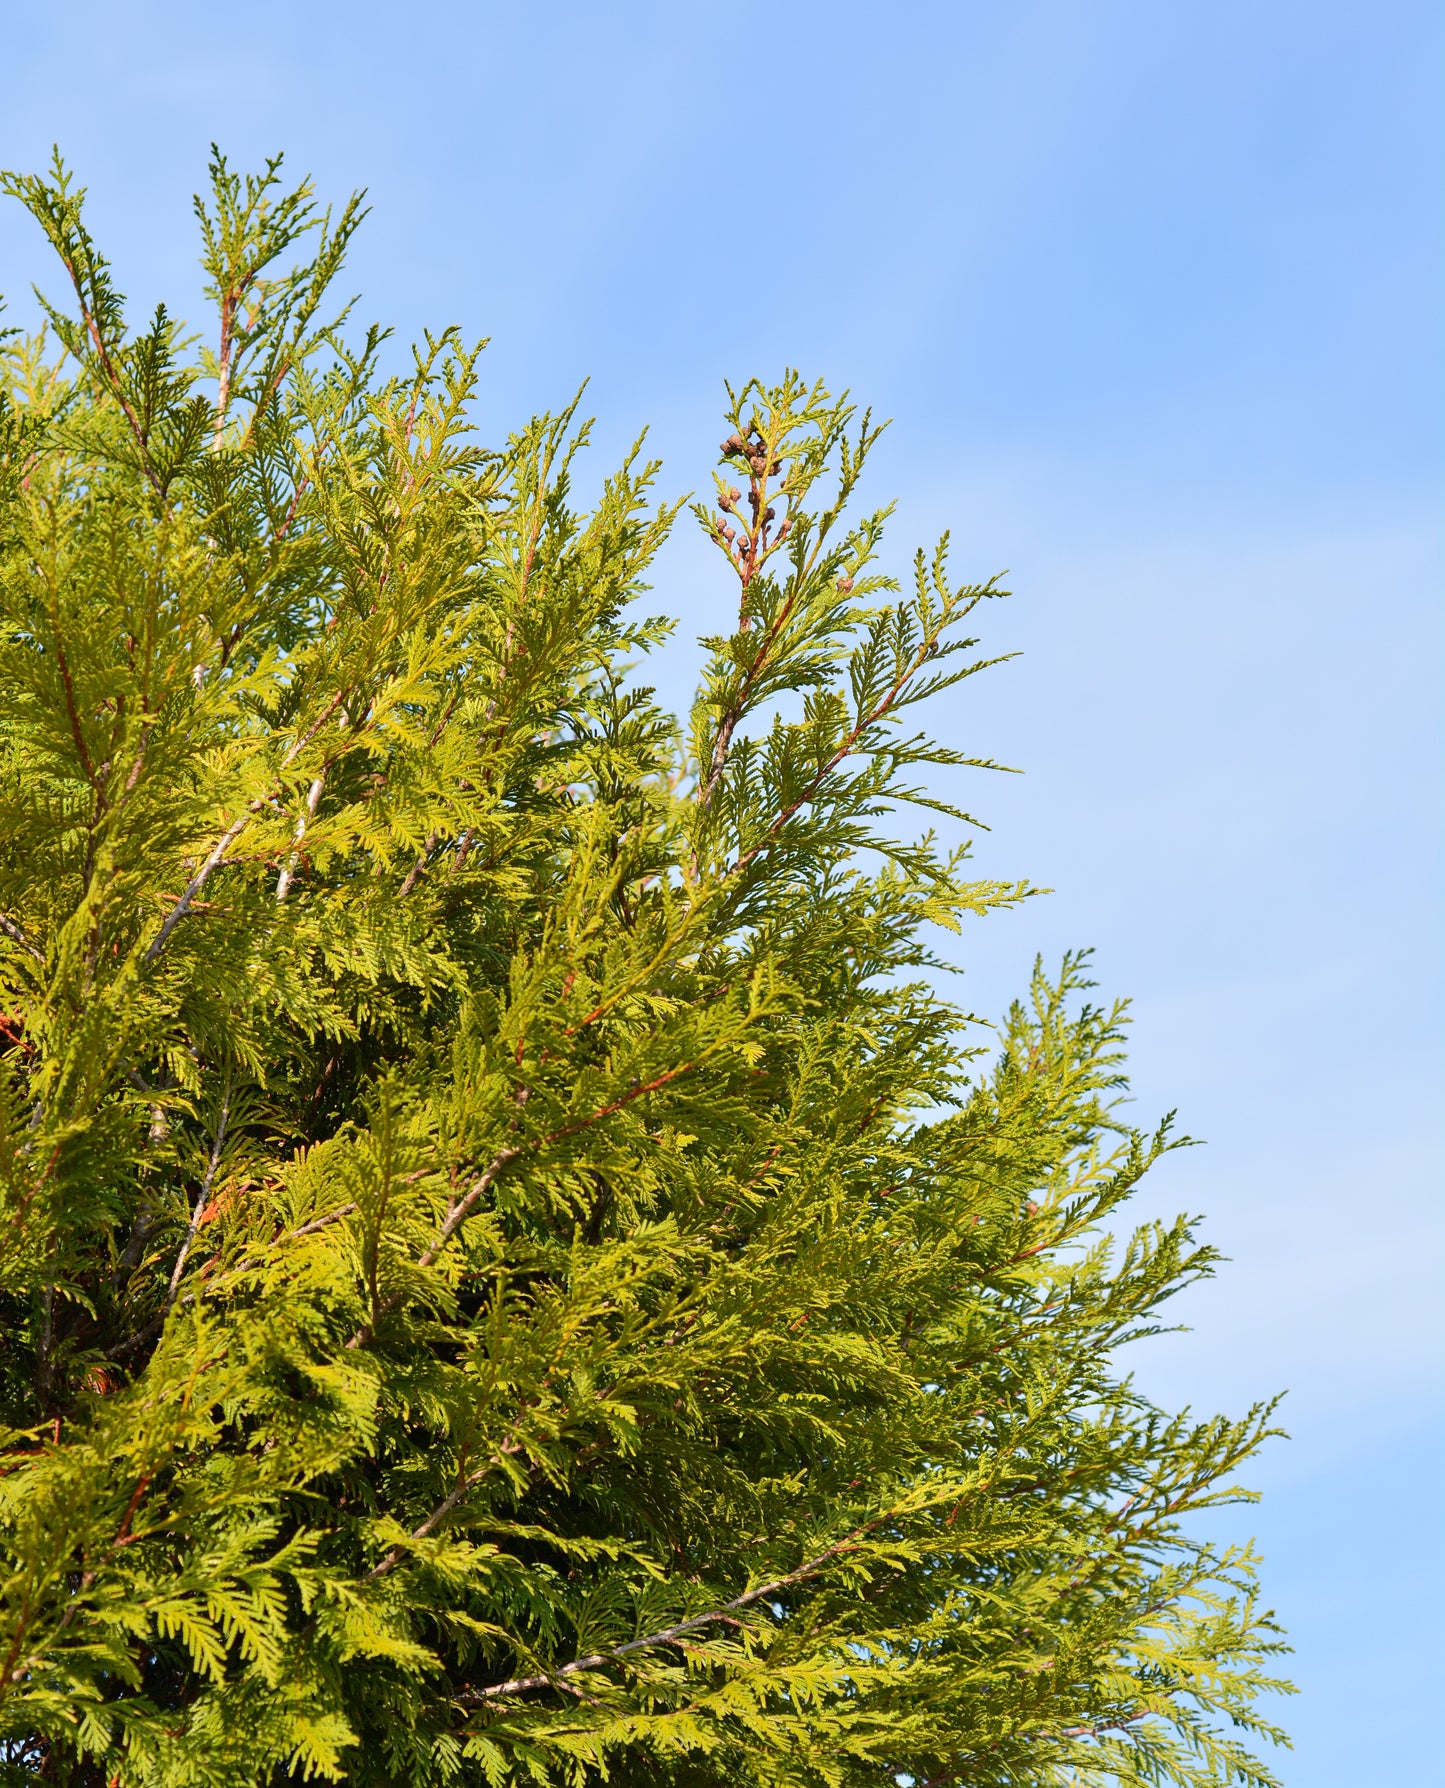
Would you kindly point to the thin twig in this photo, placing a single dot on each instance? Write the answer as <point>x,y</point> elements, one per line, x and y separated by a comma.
<point>87,1578</point>
<point>463,1207</point>
<point>107,366</point>
<point>667,1635</point>
<point>313,798</point>
<point>198,881</point>
<point>414,875</point>
<point>203,1198</point>
<point>154,1326</point>
<point>442,1510</point>
<point>850,739</point>
<point>230,835</point>
<point>17,934</point>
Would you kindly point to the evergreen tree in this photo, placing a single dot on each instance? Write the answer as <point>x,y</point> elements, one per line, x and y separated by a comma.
<point>511,1270</point>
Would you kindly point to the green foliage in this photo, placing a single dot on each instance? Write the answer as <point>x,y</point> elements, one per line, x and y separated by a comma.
<point>511,1271</point>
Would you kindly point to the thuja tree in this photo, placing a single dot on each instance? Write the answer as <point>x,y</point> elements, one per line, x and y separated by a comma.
<point>511,1269</point>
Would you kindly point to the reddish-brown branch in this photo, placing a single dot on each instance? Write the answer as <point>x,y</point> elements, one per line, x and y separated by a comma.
<point>850,739</point>
<point>122,1538</point>
<point>102,354</point>
<point>74,717</point>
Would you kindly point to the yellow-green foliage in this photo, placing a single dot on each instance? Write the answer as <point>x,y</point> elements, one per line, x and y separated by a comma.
<point>511,1271</point>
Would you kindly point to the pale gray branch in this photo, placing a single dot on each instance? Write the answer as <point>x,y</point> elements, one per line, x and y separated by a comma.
<point>17,933</point>
<point>203,1198</point>
<point>442,1510</point>
<point>308,813</point>
<point>197,882</point>
<point>666,1635</point>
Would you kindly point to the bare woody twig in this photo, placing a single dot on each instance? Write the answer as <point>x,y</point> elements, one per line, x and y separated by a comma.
<point>459,1212</point>
<point>308,813</point>
<point>443,1509</point>
<point>669,1635</point>
<point>229,837</point>
<point>154,1326</point>
<point>203,1197</point>
<point>198,881</point>
<point>16,933</point>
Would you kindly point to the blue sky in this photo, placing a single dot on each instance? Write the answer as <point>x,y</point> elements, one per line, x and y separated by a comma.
<point>1150,291</point>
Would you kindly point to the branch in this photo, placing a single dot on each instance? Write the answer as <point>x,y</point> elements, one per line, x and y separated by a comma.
<point>460,1210</point>
<point>76,731</point>
<point>463,1207</point>
<point>313,798</point>
<point>202,1199</point>
<point>17,933</point>
<point>198,881</point>
<point>107,366</point>
<point>414,875</point>
<point>728,725</point>
<point>442,1510</point>
<point>316,1223</point>
<point>1121,1724</point>
<point>229,837</point>
<point>667,1635</point>
<point>88,1577</point>
<point>153,1327</point>
<point>850,739</point>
